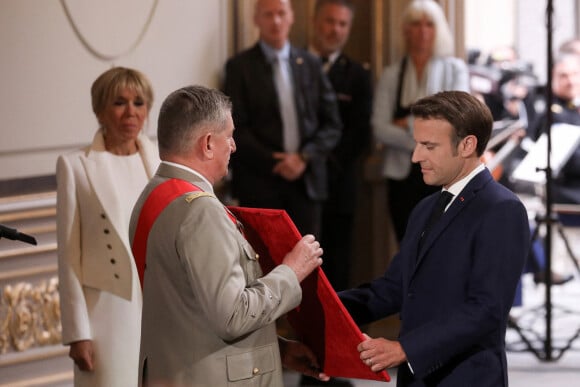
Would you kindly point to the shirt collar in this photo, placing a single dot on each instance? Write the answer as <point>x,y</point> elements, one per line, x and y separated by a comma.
<point>273,54</point>
<point>331,58</point>
<point>458,186</point>
<point>196,173</point>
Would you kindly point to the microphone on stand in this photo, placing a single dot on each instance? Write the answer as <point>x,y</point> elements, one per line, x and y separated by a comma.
<point>13,234</point>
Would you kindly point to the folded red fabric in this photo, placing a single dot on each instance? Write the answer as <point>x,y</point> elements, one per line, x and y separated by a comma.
<point>321,320</point>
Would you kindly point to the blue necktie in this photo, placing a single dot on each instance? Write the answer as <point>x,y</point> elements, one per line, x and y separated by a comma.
<point>284,87</point>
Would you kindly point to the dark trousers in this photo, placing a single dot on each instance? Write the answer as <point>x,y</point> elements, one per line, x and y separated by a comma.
<point>337,244</point>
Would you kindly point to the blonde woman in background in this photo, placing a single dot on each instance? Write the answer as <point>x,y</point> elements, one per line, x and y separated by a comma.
<point>100,293</point>
<point>427,67</point>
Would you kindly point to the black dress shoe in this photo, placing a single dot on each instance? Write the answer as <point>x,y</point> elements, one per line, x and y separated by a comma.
<point>310,381</point>
<point>557,279</point>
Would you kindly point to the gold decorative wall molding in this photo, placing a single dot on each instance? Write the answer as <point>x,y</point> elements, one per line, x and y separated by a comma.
<point>29,316</point>
<point>103,53</point>
<point>245,32</point>
<point>58,379</point>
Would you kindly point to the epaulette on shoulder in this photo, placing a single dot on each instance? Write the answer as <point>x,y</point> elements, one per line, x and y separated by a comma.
<point>194,195</point>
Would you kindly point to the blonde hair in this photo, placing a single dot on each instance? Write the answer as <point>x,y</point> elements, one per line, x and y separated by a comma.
<point>429,8</point>
<point>110,83</point>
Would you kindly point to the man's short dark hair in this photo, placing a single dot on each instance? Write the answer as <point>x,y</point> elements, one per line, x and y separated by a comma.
<point>466,114</point>
<point>345,3</point>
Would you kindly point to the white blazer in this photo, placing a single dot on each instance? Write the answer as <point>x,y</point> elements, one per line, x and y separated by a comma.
<point>92,251</point>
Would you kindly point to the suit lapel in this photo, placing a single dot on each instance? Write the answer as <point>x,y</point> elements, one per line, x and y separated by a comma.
<point>340,76</point>
<point>265,81</point>
<point>98,166</point>
<point>463,199</point>
<point>297,65</point>
<point>337,73</point>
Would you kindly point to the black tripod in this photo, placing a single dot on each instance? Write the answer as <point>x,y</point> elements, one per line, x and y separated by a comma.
<point>528,336</point>
<point>554,222</point>
<point>530,339</point>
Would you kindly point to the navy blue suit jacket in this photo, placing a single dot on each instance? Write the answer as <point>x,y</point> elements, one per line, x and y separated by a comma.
<point>352,84</point>
<point>455,295</point>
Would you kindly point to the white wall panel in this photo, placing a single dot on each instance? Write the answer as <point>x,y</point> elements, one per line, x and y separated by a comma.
<point>46,73</point>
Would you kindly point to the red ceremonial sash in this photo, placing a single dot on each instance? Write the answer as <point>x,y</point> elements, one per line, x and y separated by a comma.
<point>155,203</point>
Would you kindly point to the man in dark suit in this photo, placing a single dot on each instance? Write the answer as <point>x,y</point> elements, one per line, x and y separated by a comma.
<point>453,280</point>
<point>565,109</point>
<point>286,119</point>
<point>352,84</point>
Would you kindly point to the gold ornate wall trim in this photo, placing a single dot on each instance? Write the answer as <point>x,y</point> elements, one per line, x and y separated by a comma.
<point>245,32</point>
<point>28,214</point>
<point>27,250</point>
<point>44,270</point>
<point>378,41</point>
<point>29,316</point>
<point>103,53</point>
<point>61,378</point>
<point>33,355</point>
<point>455,13</point>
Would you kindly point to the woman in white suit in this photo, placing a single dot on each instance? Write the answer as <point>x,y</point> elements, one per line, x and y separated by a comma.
<point>100,294</point>
<point>427,67</point>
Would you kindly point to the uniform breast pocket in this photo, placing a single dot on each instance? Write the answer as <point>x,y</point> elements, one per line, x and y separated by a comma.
<point>250,262</point>
<point>251,368</point>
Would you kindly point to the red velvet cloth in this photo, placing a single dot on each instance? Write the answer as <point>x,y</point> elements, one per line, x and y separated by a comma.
<point>321,320</point>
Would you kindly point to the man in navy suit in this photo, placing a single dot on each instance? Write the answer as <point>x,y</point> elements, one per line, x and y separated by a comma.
<point>352,84</point>
<point>286,120</point>
<point>453,283</point>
